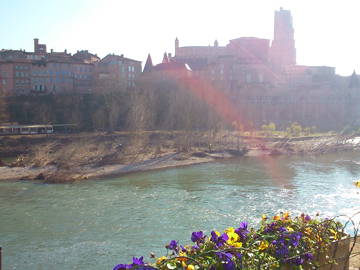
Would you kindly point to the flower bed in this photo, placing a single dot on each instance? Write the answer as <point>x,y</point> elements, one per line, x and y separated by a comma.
<point>281,242</point>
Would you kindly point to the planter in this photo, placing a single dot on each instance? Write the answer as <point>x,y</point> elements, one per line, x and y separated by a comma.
<point>338,255</point>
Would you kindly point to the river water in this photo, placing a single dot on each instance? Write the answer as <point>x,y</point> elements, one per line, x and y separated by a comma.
<point>97,224</point>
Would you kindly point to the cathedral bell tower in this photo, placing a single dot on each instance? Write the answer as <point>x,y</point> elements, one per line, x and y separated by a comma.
<point>283,52</point>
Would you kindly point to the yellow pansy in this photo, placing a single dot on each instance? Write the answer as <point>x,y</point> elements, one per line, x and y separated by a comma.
<point>286,215</point>
<point>290,229</point>
<point>233,237</point>
<point>264,217</point>
<point>276,218</point>
<point>263,245</point>
<point>308,231</point>
<point>318,238</point>
<point>161,259</point>
<point>190,267</point>
<point>181,254</point>
<point>230,230</point>
<point>236,244</point>
<point>335,233</point>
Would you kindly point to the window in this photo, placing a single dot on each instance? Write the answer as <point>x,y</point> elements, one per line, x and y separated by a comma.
<point>261,78</point>
<point>248,78</point>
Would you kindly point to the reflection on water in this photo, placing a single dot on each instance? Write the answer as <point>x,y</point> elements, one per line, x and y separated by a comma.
<point>96,224</point>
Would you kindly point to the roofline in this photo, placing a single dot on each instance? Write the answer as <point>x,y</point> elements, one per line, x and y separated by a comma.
<point>119,56</point>
<point>250,38</point>
<point>202,47</point>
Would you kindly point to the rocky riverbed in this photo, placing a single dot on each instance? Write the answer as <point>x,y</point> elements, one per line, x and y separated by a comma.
<point>76,157</point>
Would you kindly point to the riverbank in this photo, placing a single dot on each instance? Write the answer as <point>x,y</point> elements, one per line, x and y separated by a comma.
<point>77,157</point>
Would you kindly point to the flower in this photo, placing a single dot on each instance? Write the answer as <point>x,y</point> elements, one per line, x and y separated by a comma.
<point>233,237</point>
<point>242,231</point>
<point>182,255</point>
<point>295,238</point>
<point>229,265</point>
<point>308,256</point>
<point>224,256</point>
<point>219,240</point>
<point>173,245</point>
<point>138,261</point>
<point>270,228</point>
<point>197,236</point>
<point>226,259</point>
<point>286,216</point>
<point>161,259</point>
<point>308,231</point>
<point>279,241</point>
<point>263,245</point>
<point>195,247</point>
<point>122,266</point>
<point>282,251</point>
<point>230,230</point>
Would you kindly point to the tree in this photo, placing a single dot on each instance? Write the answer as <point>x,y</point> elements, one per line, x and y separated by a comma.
<point>4,115</point>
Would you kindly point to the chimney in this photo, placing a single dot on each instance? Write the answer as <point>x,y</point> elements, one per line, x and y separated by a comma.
<point>51,50</point>
<point>36,44</point>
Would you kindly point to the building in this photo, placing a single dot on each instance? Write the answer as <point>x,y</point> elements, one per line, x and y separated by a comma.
<point>15,71</point>
<point>252,61</point>
<point>43,72</point>
<point>283,51</point>
<point>262,80</point>
<point>117,71</point>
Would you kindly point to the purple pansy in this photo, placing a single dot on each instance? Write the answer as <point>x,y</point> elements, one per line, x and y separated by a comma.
<point>242,231</point>
<point>197,237</point>
<point>308,256</point>
<point>122,266</point>
<point>219,240</point>
<point>138,261</point>
<point>173,245</point>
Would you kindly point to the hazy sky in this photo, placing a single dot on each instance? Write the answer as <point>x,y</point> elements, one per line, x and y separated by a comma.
<point>327,32</point>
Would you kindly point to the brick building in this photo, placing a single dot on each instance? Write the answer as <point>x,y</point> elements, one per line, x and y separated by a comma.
<point>42,72</point>
<point>263,82</point>
<point>251,61</point>
<point>117,71</point>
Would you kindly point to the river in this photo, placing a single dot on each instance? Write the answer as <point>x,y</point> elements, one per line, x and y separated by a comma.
<point>97,224</point>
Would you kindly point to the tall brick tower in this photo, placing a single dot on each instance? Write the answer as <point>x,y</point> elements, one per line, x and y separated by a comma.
<point>176,45</point>
<point>283,52</point>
